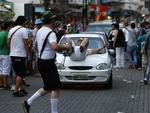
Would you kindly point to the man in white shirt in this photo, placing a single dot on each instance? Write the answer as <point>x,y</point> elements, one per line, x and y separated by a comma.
<point>19,50</point>
<point>46,64</point>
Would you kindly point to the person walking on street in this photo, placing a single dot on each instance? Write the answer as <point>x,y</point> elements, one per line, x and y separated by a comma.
<point>19,50</point>
<point>132,46</point>
<point>147,53</point>
<point>47,47</point>
<point>119,45</point>
<point>5,61</point>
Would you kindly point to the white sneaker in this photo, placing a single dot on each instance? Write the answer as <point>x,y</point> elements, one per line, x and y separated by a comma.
<point>12,88</point>
<point>116,67</point>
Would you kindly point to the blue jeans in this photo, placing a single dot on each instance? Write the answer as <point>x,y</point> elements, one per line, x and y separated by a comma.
<point>132,50</point>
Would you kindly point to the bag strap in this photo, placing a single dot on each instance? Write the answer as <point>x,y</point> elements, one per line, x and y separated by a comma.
<point>14,33</point>
<point>44,44</point>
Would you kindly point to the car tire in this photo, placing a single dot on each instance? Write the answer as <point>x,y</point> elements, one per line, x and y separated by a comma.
<point>109,84</point>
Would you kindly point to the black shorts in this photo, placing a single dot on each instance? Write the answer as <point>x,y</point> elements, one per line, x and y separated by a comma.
<point>49,73</point>
<point>19,65</point>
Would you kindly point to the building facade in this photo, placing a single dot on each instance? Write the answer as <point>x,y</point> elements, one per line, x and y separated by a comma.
<point>19,6</point>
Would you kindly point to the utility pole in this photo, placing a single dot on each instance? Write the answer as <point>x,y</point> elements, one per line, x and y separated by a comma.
<point>84,13</point>
<point>46,4</point>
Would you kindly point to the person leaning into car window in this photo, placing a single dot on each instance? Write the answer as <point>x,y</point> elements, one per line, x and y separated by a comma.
<point>80,51</point>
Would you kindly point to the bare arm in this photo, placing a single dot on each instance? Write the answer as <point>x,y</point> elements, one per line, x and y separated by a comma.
<point>115,37</point>
<point>26,45</point>
<point>8,42</point>
<point>57,47</point>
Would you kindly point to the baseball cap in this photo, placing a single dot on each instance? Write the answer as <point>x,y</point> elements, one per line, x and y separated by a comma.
<point>38,21</point>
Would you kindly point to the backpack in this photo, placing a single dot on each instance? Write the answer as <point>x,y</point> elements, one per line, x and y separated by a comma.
<point>120,42</point>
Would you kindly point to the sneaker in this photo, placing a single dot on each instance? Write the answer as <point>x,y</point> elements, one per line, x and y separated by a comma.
<point>26,107</point>
<point>12,88</point>
<point>18,94</point>
<point>145,82</point>
<point>116,67</point>
<point>139,69</point>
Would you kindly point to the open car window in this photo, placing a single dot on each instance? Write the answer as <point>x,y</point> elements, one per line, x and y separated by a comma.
<point>93,43</point>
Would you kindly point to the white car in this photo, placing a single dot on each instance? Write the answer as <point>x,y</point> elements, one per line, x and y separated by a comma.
<point>96,68</point>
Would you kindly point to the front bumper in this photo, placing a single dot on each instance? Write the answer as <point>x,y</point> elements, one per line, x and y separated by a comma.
<point>85,76</point>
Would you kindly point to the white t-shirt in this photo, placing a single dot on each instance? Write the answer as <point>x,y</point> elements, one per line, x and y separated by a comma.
<point>17,47</point>
<point>126,33</point>
<point>79,56</point>
<point>48,52</point>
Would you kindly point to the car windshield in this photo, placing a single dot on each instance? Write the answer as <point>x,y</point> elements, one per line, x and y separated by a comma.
<point>99,28</point>
<point>93,43</point>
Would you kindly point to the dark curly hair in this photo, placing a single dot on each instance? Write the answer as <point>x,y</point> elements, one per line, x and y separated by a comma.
<point>20,20</point>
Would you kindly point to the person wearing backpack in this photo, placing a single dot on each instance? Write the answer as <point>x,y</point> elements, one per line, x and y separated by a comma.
<point>119,45</point>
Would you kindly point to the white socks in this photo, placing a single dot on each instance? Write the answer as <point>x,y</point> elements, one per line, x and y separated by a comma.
<point>33,97</point>
<point>54,102</point>
<point>54,105</point>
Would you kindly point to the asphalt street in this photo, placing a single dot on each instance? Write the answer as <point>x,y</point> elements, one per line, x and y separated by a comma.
<point>128,95</point>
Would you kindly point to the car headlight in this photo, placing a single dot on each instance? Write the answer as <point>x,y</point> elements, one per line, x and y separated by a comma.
<point>102,66</point>
<point>60,66</point>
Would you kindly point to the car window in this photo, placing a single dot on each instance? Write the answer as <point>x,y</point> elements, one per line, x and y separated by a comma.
<point>93,43</point>
<point>99,28</point>
<point>105,37</point>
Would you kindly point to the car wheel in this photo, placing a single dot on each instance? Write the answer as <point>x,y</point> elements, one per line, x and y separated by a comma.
<point>109,84</point>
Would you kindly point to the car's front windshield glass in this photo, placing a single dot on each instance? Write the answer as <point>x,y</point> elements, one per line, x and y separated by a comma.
<point>93,43</point>
<point>99,28</point>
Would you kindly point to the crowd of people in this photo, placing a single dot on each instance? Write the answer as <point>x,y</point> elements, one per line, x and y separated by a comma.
<point>23,51</point>
<point>131,42</point>
<point>30,30</point>
<point>30,48</point>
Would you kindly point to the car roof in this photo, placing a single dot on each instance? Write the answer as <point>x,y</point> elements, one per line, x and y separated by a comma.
<point>96,32</point>
<point>82,35</point>
<point>106,22</point>
<point>101,22</point>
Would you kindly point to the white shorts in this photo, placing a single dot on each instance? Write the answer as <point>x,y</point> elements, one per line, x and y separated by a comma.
<point>5,65</point>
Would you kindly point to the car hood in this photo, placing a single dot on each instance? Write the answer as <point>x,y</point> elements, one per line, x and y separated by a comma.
<point>91,60</point>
